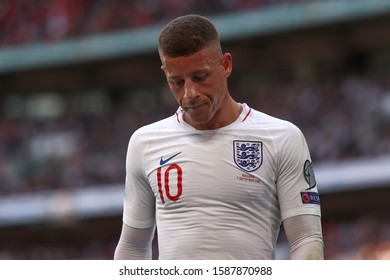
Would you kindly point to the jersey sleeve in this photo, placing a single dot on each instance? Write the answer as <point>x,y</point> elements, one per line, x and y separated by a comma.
<point>139,200</point>
<point>296,185</point>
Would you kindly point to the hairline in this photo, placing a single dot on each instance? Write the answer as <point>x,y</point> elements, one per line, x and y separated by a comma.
<point>168,48</point>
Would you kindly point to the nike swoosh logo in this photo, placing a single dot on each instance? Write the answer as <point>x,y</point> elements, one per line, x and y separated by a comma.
<point>162,161</point>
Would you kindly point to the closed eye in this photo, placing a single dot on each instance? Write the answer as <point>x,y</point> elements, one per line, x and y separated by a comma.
<point>176,82</point>
<point>200,77</point>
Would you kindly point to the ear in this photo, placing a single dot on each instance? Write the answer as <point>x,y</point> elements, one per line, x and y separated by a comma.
<point>162,58</point>
<point>227,64</point>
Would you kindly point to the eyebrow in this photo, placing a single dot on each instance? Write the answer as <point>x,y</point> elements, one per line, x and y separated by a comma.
<point>197,72</point>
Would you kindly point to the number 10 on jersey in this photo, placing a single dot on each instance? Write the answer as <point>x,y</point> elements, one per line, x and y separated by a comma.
<point>173,168</point>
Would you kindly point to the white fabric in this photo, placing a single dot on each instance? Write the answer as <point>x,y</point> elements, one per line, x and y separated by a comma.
<point>304,233</point>
<point>134,244</point>
<point>213,208</point>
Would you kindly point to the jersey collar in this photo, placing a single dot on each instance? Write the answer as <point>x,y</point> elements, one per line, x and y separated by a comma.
<point>245,113</point>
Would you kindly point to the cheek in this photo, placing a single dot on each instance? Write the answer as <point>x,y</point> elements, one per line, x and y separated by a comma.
<point>177,94</point>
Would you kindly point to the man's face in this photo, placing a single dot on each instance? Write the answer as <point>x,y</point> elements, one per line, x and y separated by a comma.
<point>199,84</point>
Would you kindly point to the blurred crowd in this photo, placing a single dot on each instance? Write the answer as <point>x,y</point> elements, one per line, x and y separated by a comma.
<point>342,116</point>
<point>51,141</point>
<point>365,238</point>
<point>89,250</point>
<point>68,140</point>
<point>23,21</point>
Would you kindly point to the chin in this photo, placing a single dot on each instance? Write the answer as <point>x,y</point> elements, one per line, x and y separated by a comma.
<point>199,117</point>
<point>200,123</point>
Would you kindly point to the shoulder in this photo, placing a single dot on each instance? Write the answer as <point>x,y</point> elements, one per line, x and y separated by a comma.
<point>272,124</point>
<point>145,136</point>
<point>156,133</point>
<point>278,133</point>
<point>153,128</point>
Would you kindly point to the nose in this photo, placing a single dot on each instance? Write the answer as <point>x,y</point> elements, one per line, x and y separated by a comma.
<point>190,91</point>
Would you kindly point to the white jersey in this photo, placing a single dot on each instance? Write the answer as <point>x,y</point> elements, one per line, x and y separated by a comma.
<point>218,194</point>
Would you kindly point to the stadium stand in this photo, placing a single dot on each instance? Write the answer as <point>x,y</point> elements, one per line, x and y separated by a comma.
<point>50,21</point>
<point>64,127</point>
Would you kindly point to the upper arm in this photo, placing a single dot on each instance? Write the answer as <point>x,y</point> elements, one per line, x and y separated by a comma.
<point>295,180</point>
<point>139,199</point>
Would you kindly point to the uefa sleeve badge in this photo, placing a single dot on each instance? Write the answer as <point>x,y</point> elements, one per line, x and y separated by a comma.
<point>308,173</point>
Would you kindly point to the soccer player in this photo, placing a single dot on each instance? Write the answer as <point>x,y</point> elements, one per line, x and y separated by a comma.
<point>218,178</point>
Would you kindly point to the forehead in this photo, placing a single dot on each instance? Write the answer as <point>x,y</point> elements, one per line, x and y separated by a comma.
<point>202,59</point>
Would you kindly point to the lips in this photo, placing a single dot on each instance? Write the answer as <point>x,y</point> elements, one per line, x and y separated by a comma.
<point>195,109</point>
<point>194,106</point>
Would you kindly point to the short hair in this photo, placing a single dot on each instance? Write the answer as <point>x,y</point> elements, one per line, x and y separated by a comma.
<point>186,35</point>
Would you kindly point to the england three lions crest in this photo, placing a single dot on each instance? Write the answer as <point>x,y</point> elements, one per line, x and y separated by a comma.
<point>248,155</point>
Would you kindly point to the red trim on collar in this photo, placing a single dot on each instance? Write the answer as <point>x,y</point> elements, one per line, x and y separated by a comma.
<point>177,117</point>
<point>250,109</point>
